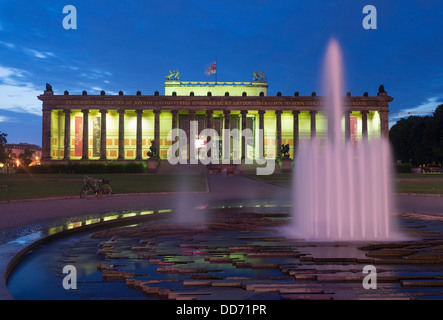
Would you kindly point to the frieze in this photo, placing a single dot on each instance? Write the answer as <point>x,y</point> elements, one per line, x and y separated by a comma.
<point>196,103</point>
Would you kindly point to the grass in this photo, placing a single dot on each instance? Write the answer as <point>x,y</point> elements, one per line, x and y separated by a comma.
<point>423,187</point>
<point>403,182</point>
<point>24,186</point>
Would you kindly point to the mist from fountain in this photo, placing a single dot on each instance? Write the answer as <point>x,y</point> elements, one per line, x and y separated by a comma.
<point>342,191</point>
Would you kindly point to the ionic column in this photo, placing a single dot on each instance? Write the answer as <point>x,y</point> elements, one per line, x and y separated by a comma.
<point>296,130</point>
<point>347,125</point>
<point>313,124</point>
<point>139,135</point>
<point>103,113</point>
<point>243,127</point>
<point>46,134</point>
<point>121,134</point>
<point>384,123</point>
<point>364,126</point>
<point>226,142</point>
<point>192,132</point>
<point>261,144</point>
<point>209,117</point>
<point>278,137</point>
<point>191,114</point>
<point>174,126</point>
<point>174,119</point>
<point>85,147</point>
<point>67,145</point>
<point>157,129</point>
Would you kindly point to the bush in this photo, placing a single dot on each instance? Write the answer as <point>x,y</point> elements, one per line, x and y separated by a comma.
<point>113,167</point>
<point>134,167</point>
<point>403,167</point>
<point>85,168</point>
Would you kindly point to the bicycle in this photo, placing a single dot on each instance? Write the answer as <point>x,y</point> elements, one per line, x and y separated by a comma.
<point>98,187</point>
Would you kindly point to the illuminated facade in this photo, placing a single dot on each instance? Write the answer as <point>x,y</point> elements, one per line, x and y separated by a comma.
<point>121,127</point>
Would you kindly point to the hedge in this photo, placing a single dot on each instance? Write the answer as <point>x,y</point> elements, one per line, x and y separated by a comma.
<point>86,168</point>
<point>403,167</point>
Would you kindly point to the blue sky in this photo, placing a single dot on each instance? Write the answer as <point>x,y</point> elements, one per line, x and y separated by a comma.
<point>131,45</point>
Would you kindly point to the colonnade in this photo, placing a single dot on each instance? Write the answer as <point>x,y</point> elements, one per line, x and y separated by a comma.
<point>46,142</point>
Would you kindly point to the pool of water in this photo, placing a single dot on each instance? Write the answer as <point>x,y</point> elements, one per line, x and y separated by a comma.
<point>237,252</point>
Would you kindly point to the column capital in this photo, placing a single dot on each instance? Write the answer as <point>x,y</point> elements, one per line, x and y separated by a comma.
<point>244,112</point>
<point>67,111</point>
<point>364,111</point>
<point>103,111</point>
<point>313,111</point>
<point>85,110</point>
<point>261,112</point>
<point>174,111</point>
<point>157,111</point>
<point>139,111</point>
<point>191,111</point>
<point>226,112</point>
<point>295,112</point>
<point>121,111</point>
<point>278,111</point>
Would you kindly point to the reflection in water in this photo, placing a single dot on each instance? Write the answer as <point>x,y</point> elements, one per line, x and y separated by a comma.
<point>158,259</point>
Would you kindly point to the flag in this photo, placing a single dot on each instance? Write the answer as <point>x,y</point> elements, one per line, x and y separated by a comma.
<point>211,69</point>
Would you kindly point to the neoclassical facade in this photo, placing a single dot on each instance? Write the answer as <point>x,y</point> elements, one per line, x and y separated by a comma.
<point>121,127</point>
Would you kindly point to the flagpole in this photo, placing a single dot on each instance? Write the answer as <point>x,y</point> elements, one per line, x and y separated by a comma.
<point>216,71</point>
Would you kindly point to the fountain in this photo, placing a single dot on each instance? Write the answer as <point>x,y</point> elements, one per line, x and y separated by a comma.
<point>342,191</point>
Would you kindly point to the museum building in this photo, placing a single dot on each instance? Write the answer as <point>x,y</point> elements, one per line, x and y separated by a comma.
<point>121,127</point>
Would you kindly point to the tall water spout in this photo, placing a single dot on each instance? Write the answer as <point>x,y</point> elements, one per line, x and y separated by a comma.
<point>341,190</point>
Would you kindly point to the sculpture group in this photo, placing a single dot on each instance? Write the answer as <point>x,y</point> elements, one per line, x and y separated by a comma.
<point>173,75</point>
<point>258,76</point>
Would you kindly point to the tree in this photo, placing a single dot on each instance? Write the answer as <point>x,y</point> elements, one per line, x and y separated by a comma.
<point>3,142</point>
<point>419,140</point>
<point>25,157</point>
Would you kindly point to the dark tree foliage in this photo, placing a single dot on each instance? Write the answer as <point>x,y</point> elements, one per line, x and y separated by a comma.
<point>419,140</point>
<point>3,142</point>
<point>26,157</point>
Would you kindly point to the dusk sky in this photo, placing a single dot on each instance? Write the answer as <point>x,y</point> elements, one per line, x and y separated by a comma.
<point>131,45</point>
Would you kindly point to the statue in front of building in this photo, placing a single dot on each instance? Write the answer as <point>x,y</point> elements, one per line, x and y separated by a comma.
<point>173,75</point>
<point>258,76</point>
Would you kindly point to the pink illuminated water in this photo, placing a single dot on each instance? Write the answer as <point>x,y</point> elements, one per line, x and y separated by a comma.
<point>342,191</point>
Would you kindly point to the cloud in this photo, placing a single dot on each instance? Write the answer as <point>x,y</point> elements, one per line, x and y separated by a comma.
<point>425,108</point>
<point>5,119</point>
<point>38,54</point>
<point>96,74</point>
<point>7,44</point>
<point>17,94</point>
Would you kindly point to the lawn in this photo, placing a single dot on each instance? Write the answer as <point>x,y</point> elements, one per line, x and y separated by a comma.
<point>403,183</point>
<point>23,186</point>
